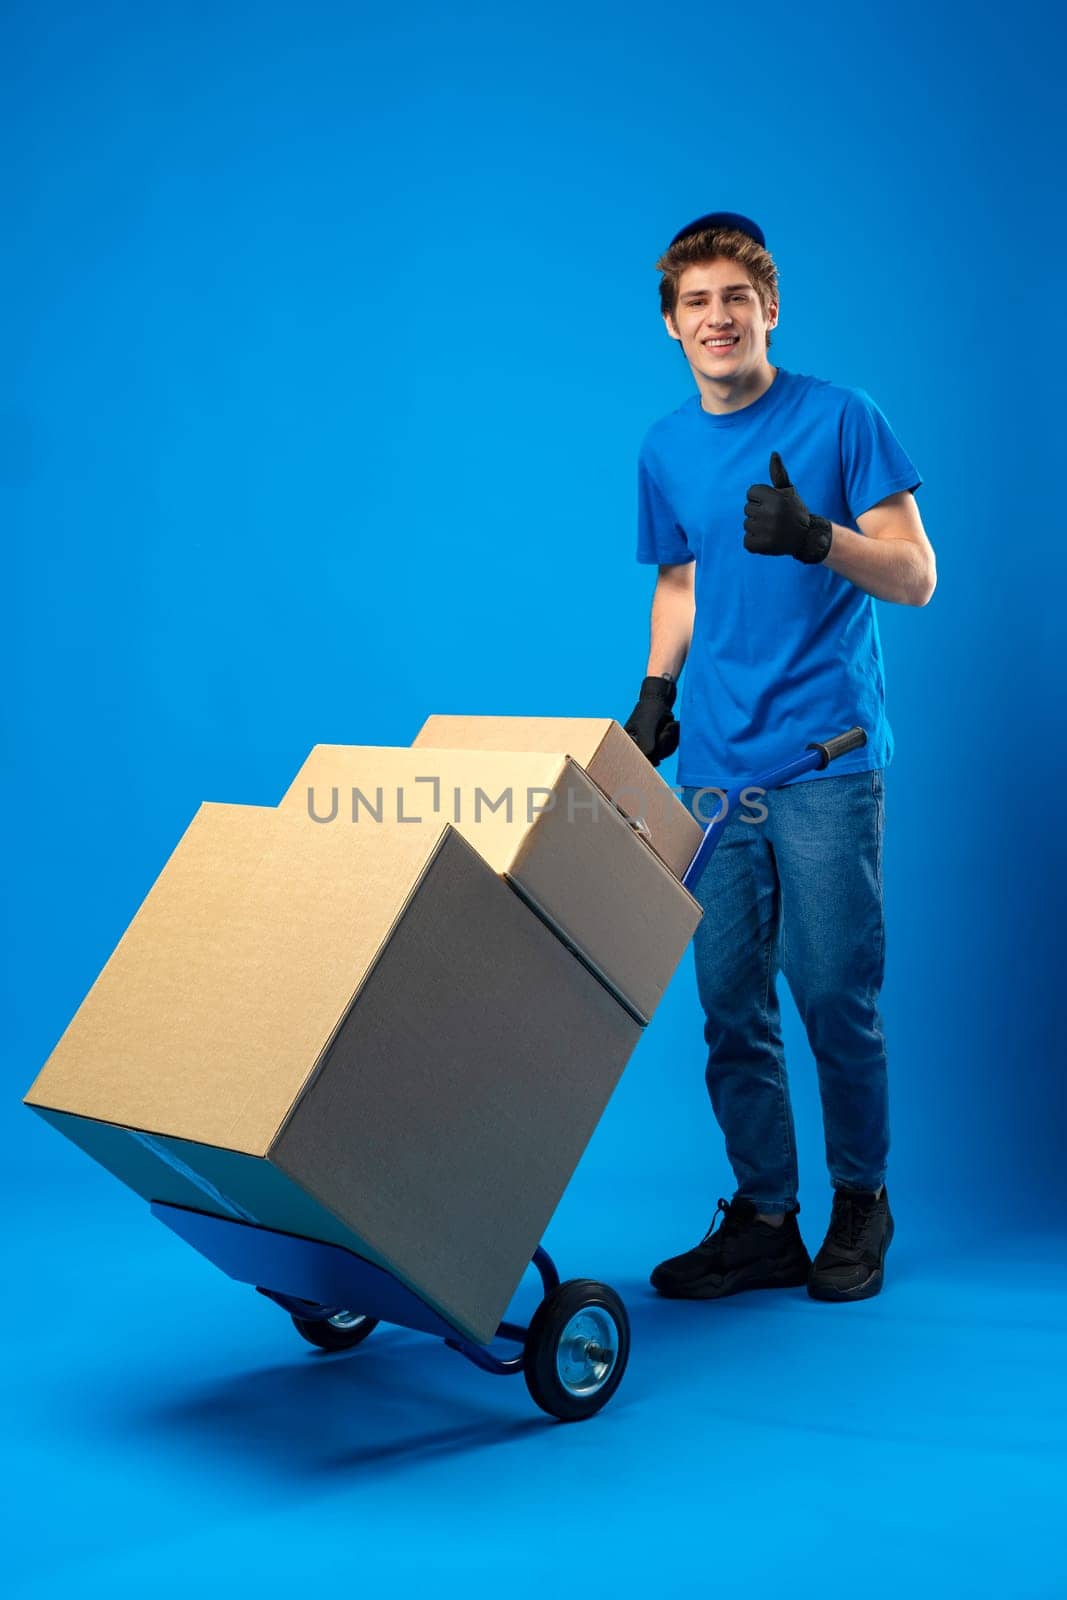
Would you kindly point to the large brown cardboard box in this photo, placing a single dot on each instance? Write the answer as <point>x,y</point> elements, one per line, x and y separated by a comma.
<point>362,1037</point>
<point>538,820</point>
<point>604,750</point>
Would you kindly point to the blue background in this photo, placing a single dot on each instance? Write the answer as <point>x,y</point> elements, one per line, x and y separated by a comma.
<point>330,339</point>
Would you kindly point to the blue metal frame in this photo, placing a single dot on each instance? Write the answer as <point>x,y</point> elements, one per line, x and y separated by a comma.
<point>504,1366</point>
<point>303,1270</point>
<point>813,760</point>
<point>322,1279</point>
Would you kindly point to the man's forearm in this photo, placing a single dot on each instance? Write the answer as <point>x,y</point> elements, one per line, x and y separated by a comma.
<point>673,611</point>
<point>890,569</point>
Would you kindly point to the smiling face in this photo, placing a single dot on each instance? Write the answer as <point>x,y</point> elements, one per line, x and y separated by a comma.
<point>721,325</point>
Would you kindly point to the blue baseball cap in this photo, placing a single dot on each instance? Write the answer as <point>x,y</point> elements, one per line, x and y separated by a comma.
<point>723,219</point>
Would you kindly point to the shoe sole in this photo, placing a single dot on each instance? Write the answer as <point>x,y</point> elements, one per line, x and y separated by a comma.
<point>863,1291</point>
<point>794,1279</point>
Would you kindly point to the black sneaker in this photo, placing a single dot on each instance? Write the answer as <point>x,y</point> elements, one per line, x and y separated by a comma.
<point>850,1264</point>
<point>744,1254</point>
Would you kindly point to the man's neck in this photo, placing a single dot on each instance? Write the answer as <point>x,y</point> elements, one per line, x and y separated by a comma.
<point>722,398</point>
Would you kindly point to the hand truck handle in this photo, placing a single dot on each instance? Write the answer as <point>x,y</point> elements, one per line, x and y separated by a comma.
<point>840,745</point>
<point>815,758</point>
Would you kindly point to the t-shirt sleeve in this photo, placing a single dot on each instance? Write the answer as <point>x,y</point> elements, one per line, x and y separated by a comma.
<point>660,537</point>
<point>874,462</point>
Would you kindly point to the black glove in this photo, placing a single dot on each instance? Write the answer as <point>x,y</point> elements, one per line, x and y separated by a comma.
<point>651,727</point>
<point>778,523</point>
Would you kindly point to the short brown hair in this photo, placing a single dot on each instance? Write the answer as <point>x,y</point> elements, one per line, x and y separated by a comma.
<point>712,245</point>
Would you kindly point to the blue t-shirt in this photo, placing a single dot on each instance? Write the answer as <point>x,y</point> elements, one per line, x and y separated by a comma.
<point>783,653</point>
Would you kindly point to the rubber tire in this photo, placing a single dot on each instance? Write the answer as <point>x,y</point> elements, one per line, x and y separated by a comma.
<point>327,1337</point>
<point>542,1346</point>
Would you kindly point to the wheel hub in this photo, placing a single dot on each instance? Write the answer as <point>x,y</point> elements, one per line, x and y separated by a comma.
<point>346,1320</point>
<point>587,1351</point>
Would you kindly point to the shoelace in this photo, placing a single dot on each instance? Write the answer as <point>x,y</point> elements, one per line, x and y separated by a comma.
<point>849,1221</point>
<point>722,1209</point>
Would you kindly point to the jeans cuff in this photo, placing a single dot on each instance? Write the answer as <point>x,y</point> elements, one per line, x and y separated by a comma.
<point>860,1188</point>
<point>770,1208</point>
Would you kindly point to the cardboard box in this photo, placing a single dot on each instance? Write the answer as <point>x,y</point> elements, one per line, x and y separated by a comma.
<point>364,1037</point>
<point>607,754</point>
<point>538,820</point>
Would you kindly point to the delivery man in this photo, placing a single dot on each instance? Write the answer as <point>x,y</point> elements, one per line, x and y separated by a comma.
<point>777,508</point>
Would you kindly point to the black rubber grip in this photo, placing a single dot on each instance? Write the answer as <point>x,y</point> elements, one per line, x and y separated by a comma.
<point>854,739</point>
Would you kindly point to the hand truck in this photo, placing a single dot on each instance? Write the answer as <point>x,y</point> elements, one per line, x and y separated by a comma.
<point>574,1352</point>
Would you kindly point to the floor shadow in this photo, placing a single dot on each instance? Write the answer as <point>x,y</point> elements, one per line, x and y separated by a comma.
<point>395,1401</point>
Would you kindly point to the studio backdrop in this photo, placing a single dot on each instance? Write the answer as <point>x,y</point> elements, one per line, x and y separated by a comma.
<point>331,337</point>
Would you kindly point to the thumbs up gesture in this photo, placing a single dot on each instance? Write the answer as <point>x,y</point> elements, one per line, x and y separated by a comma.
<point>778,523</point>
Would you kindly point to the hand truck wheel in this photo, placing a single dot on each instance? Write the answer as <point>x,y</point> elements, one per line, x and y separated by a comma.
<point>343,1331</point>
<point>576,1349</point>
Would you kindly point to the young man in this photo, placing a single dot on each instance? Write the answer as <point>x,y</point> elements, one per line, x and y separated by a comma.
<point>767,589</point>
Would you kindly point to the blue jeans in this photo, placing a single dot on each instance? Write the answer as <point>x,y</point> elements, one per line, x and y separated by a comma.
<point>800,892</point>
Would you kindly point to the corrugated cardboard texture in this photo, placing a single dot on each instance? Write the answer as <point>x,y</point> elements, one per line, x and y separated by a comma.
<point>460,787</point>
<point>633,914</point>
<point>579,737</point>
<point>230,980</point>
<point>606,752</point>
<point>578,861</point>
<point>458,1096</point>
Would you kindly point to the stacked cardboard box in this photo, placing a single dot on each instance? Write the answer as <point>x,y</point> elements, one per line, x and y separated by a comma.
<point>389,1012</point>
